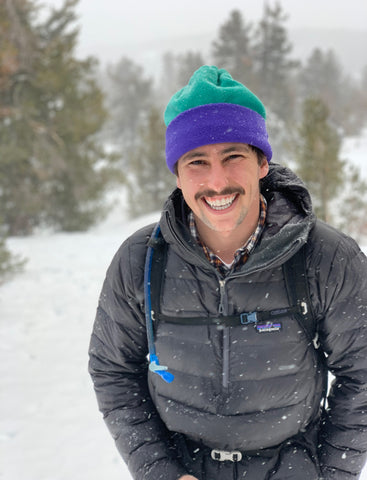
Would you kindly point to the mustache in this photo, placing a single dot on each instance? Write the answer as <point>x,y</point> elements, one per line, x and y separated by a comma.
<point>225,191</point>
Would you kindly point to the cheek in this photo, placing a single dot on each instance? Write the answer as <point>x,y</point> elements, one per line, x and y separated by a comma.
<point>189,183</point>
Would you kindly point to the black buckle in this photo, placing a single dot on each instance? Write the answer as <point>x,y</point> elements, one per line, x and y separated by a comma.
<point>223,456</point>
<point>247,318</point>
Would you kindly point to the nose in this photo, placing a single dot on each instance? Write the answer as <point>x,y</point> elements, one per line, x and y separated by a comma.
<point>217,179</point>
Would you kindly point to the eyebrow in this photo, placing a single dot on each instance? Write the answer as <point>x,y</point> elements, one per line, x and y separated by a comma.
<point>232,148</point>
<point>190,155</point>
<point>235,148</point>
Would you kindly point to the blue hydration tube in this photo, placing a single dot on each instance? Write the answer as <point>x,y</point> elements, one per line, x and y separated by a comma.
<point>154,365</point>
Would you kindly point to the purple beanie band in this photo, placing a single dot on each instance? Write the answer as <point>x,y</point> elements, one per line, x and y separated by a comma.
<point>215,123</point>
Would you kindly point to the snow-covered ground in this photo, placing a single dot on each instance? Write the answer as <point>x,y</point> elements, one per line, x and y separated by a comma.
<point>50,428</point>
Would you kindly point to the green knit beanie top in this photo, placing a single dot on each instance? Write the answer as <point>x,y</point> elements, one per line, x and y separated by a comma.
<point>211,85</point>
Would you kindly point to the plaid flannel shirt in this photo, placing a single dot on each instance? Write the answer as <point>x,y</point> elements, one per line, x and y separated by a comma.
<point>242,254</point>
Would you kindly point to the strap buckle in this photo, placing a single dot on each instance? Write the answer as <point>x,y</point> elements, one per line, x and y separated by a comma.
<point>315,341</point>
<point>222,456</point>
<point>247,318</point>
<point>304,311</point>
<point>304,308</point>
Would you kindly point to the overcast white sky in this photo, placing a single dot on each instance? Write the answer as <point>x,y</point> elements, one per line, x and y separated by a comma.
<point>144,29</point>
<point>134,22</point>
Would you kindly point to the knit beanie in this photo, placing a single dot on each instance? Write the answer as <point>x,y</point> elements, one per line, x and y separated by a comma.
<point>213,108</point>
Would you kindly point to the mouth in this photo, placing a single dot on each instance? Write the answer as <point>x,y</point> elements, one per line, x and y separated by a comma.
<point>220,203</point>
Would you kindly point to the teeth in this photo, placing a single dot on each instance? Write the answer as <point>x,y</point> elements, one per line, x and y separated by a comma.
<point>220,204</point>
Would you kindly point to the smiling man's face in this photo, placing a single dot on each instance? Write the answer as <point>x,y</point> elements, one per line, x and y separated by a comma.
<point>220,183</point>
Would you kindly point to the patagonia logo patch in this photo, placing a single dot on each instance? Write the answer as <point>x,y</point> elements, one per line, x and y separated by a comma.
<point>268,327</point>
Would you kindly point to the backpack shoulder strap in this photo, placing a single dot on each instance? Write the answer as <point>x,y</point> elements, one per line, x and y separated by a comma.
<point>152,271</point>
<point>295,274</point>
<point>159,257</point>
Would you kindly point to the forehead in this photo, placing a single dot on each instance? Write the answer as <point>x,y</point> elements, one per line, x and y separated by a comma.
<point>217,149</point>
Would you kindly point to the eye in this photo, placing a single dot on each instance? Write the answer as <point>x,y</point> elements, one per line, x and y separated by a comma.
<point>197,162</point>
<point>234,156</point>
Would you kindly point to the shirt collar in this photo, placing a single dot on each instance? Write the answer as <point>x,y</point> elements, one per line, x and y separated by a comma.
<point>242,254</point>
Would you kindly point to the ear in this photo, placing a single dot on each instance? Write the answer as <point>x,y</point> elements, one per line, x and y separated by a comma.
<point>264,168</point>
<point>178,183</point>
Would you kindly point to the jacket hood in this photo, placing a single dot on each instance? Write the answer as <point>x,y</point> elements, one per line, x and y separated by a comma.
<point>282,180</point>
<point>289,217</point>
<point>289,220</point>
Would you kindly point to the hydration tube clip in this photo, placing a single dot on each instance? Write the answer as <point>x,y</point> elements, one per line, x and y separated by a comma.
<point>161,370</point>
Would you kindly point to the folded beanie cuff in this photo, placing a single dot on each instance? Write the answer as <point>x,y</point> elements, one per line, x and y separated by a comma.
<point>215,123</point>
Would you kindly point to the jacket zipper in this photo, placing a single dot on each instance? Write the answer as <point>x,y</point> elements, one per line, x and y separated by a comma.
<point>223,310</point>
<point>223,305</point>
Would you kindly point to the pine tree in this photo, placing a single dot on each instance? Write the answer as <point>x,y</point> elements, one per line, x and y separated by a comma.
<point>364,79</point>
<point>17,53</point>
<point>272,63</point>
<point>323,76</point>
<point>168,81</point>
<point>176,72</point>
<point>10,264</point>
<point>50,110</point>
<point>187,64</point>
<point>129,97</point>
<point>232,50</point>
<point>317,156</point>
<point>352,204</point>
<point>149,180</point>
<point>363,90</point>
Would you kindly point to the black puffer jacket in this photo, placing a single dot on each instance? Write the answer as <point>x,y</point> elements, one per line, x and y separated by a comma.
<point>235,388</point>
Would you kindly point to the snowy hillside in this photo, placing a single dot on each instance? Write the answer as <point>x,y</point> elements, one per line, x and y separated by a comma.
<point>50,428</point>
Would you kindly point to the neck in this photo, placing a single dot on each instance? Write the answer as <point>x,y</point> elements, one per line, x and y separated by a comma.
<point>225,244</point>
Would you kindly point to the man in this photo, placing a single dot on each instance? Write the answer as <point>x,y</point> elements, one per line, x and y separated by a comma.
<point>247,398</point>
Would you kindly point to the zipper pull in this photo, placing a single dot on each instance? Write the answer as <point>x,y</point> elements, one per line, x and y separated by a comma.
<point>222,293</point>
